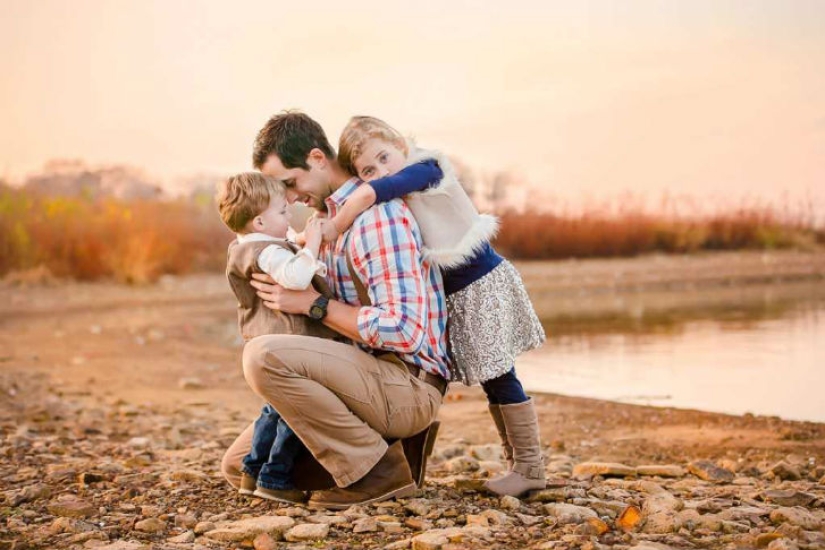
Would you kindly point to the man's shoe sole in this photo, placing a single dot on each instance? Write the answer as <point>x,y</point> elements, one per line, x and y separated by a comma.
<point>266,496</point>
<point>405,491</point>
<point>246,492</point>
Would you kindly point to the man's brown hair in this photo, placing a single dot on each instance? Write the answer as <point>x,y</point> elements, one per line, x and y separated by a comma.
<point>290,135</point>
<point>357,132</point>
<point>243,196</point>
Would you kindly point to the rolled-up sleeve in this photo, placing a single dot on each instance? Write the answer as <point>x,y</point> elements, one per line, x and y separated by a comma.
<point>387,259</point>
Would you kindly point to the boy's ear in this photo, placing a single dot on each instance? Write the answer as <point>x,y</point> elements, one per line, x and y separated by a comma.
<point>257,223</point>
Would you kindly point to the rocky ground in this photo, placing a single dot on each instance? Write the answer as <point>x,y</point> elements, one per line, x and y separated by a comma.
<point>91,472</point>
<point>116,405</point>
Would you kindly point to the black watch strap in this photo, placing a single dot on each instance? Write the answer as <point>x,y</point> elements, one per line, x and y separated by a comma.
<point>318,309</point>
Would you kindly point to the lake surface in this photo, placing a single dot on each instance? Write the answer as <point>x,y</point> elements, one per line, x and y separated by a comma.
<point>773,367</point>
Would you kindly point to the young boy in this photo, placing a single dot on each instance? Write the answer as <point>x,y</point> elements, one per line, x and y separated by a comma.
<point>254,206</point>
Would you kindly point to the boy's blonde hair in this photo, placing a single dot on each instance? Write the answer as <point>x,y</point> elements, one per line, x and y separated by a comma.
<point>244,196</point>
<point>358,130</point>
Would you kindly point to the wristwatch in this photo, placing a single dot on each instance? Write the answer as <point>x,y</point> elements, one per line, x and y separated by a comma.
<point>318,309</point>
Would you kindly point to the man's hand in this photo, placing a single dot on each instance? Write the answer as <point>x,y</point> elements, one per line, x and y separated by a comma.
<point>281,299</point>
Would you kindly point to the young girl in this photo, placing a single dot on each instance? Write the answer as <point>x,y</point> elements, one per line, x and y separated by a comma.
<point>490,315</point>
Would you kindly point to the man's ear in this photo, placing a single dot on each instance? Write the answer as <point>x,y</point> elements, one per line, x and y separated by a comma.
<point>316,158</point>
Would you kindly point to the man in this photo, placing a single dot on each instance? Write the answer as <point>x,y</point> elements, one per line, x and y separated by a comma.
<point>340,400</point>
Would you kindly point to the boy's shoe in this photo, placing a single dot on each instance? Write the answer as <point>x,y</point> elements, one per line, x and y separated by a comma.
<point>248,484</point>
<point>289,496</point>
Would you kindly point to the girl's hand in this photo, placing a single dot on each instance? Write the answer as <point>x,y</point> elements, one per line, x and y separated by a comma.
<point>329,231</point>
<point>301,239</point>
<point>313,233</point>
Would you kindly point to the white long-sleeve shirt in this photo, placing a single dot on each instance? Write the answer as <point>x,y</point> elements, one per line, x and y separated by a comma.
<point>292,271</point>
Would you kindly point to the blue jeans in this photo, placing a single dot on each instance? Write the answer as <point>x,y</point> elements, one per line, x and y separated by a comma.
<point>274,448</point>
<point>504,390</point>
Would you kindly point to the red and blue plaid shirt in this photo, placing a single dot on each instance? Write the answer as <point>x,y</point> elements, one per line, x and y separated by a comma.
<point>408,314</point>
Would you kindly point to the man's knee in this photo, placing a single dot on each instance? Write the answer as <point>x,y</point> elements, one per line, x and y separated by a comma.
<point>258,357</point>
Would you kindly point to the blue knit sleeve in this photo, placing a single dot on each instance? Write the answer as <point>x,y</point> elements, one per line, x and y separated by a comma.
<point>416,177</point>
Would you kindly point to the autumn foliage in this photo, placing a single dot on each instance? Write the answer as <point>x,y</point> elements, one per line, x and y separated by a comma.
<point>137,241</point>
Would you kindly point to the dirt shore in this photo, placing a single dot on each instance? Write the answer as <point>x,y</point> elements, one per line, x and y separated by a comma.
<point>117,402</point>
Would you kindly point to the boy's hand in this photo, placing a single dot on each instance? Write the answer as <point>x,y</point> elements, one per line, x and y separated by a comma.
<point>329,231</point>
<point>313,233</point>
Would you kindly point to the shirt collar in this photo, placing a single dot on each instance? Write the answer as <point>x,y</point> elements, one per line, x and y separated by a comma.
<point>337,199</point>
<point>255,237</point>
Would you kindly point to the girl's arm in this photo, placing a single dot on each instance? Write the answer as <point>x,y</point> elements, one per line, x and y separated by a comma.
<point>416,177</point>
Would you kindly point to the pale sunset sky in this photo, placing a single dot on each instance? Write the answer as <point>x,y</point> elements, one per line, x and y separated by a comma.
<point>709,98</point>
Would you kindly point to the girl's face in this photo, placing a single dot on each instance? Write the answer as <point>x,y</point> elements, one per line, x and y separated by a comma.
<point>379,158</point>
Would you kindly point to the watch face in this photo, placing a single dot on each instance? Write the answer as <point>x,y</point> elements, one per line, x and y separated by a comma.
<point>316,312</point>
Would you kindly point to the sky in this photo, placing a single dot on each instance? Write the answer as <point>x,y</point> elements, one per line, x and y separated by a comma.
<point>577,99</point>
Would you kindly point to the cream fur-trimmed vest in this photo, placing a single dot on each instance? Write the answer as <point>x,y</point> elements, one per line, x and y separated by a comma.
<point>451,227</point>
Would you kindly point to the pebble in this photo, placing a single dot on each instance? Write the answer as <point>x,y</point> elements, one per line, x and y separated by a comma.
<point>71,508</point>
<point>796,516</point>
<point>307,531</point>
<point>786,471</point>
<point>508,502</point>
<point>418,506</point>
<point>569,513</point>
<point>150,525</point>
<point>365,525</point>
<point>236,531</point>
<point>708,471</point>
<point>669,470</point>
<point>204,526</point>
<point>788,497</point>
<point>461,464</point>
<point>183,538</point>
<point>604,469</point>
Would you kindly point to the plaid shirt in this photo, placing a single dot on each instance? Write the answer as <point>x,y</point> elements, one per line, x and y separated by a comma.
<point>408,314</point>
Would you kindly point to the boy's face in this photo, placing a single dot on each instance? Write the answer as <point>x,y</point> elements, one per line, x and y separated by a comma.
<point>378,159</point>
<point>274,221</point>
<point>309,187</point>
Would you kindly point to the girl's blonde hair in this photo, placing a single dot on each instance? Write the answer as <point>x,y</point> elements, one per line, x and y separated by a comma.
<point>244,196</point>
<point>357,132</point>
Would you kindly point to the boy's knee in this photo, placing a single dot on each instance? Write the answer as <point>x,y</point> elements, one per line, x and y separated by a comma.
<point>230,469</point>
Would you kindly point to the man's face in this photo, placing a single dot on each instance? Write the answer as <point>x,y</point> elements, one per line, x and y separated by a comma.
<point>309,187</point>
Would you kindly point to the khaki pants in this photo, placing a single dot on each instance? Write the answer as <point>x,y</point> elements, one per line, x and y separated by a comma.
<point>340,401</point>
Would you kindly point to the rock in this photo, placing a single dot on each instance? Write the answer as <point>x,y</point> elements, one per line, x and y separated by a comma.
<point>487,453</point>
<point>123,545</point>
<point>139,442</point>
<point>462,483</point>
<point>326,519</point>
<point>71,525</point>
<point>204,527</point>
<point>183,538</point>
<point>669,470</point>
<point>629,518</point>
<point>71,508</point>
<point>188,476</point>
<point>569,513</point>
<point>150,511</point>
<point>529,520</point>
<point>191,383</point>
<point>402,544</point>
<point>707,470</point>
<point>786,471</point>
<point>417,524</point>
<point>474,519</point>
<point>548,495</point>
<point>307,531</point>
<point>417,506</point>
<point>783,544</point>
<point>187,521</point>
<point>236,531</point>
<point>264,542</point>
<point>604,469</point>
<point>750,513</point>
<point>660,523</point>
<point>764,539</point>
<point>788,497</point>
<point>648,545</point>
<point>28,494</point>
<point>150,525</point>
<point>461,464</point>
<point>432,540</point>
<point>796,516</point>
<point>661,502</point>
<point>509,503</point>
<point>365,525</point>
<point>692,520</point>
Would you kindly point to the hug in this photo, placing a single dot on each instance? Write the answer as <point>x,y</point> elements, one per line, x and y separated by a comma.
<point>353,338</point>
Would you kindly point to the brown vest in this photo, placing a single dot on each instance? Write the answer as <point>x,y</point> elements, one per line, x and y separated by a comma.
<point>254,318</point>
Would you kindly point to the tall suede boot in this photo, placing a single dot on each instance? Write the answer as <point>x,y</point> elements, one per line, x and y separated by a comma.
<point>498,420</point>
<point>522,426</point>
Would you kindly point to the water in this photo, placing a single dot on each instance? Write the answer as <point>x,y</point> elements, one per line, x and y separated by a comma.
<point>772,367</point>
